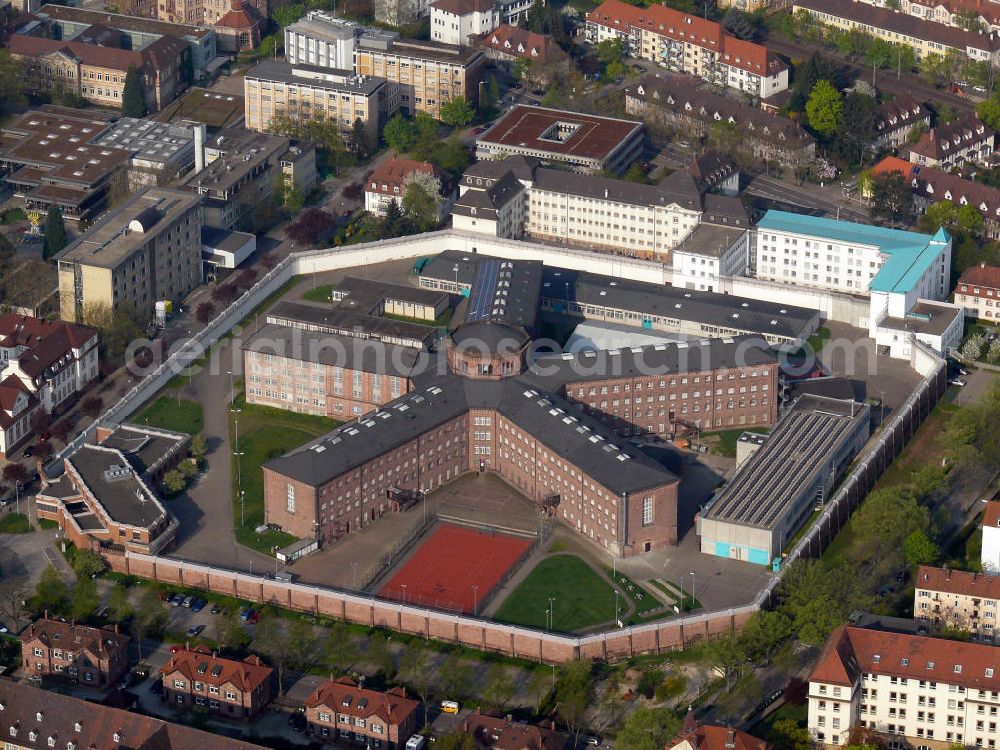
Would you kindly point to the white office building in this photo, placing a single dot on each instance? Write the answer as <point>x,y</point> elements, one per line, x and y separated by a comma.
<point>321,39</point>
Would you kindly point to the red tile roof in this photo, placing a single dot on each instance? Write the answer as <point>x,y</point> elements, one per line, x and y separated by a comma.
<point>939,142</point>
<point>960,582</point>
<point>393,173</point>
<point>158,55</point>
<point>892,164</point>
<point>988,277</point>
<point>992,515</point>
<point>49,343</point>
<point>685,27</point>
<point>711,737</point>
<point>518,42</point>
<point>463,7</point>
<point>502,734</point>
<point>851,651</point>
<point>68,635</point>
<point>239,16</point>
<point>10,389</point>
<point>246,675</point>
<point>392,706</point>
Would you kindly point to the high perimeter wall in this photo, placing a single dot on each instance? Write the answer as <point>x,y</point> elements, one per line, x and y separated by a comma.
<point>474,633</point>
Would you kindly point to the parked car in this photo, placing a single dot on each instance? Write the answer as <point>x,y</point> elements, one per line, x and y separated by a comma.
<point>195,630</point>
<point>198,605</point>
<point>449,707</point>
<point>216,608</point>
<point>246,614</point>
<point>174,648</point>
<point>176,600</point>
<point>29,451</point>
<point>593,741</point>
<point>957,381</point>
<point>254,617</point>
<point>187,602</point>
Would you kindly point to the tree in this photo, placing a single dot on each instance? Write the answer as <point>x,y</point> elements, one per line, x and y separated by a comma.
<point>499,687</point>
<point>398,134</point>
<point>920,549</point>
<point>891,198</point>
<point>456,741</point>
<point>304,644</point>
<point>359,138</point>
<point>968,19</point>
<point>422,199</point>
<point>379,656</point>
<point>412,662</point>
<point>340,651</point>
<point>91,406</point>
<point>60,431</point>
<point>119,606</point>
<point>43,450</point>
<point>989,112</point>
<point>635,174</point>
<point>394,223</point>
<point>573,688</point>
<point>83,602</point>
<point>40,423</point>
<point>230,633</point>
<point>198,447</point>
<point>87,564</point>
<point>273,641</point>
<point>537,688</point>
<point>425,136</point>
<point>150,616</point>
<point>959,220</point>
<point>15,473</point>
<point>457,112</point>
<point>203,313</point>
<point>857,130</point>
<point>312,226</point>
<point>824,108</point>
<point>648,728</point>
<point>55,233</point>
<point>456,676</point>
<point>795,737</point>
<point>174,482</point>
<point>14,604</point>
<point>133,99</point>
<point>51,594</point>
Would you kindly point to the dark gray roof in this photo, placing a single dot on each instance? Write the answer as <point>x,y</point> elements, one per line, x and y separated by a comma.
<point>221,239</point>
<point>368,294</point>
<point>486,336</point>
<point>124,497</point>
<point>487,199</point>
<point>562,427</point>
<point>504,291</point>
<point>347,320</point>
<point>657,300</point>
<point>367,355</point>
<point>345,80</point>
<point>925,317</point>
<point>147,448</point>
<point>711,239</point>
<point>553,370</point>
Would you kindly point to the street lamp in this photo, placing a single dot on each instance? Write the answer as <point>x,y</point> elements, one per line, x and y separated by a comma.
<point>232,387</point>
<point>354,574</point>
<point>475,600</point>
<point>17,496</point>
<point>616,607</point>
<point>692,591</point>
<point>552,613</point>
<point>239,478</point>
<point>243,497</point>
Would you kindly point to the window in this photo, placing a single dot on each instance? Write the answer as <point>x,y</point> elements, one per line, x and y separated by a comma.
<point>291,498</point>
<point>647,511</point>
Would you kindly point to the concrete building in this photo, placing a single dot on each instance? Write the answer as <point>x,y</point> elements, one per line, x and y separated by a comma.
<point>304,92</point>
<point>53,360</point>
<point>206,12</point>
<point>958,600</point>
<point>400,12</point>
<point>963,141</point>
<point>990,553</point>
<point>919,690</point>
<point>67,22</point>
<point>222,249</point>
<point>774,491</point>
<point>321,39</point>
<point>341,711</point>
<point>388,182</point>
<point>95,657</point>
<point>236,173</point>
<point>894,268</point>
<point>584,143</point>
<point>428,74</point>
<point>923,36</point>
<point>459,21</point>
<point>159,151</point>
<point>43,714</point>
<point>711,251</point>
<point>677,101</point>
<point>201,680</point>
<point>938,325</point>
<point>146,250</point>
<point>686,43</point>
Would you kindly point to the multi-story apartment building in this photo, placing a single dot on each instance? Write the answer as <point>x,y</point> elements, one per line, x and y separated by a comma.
<point>17,404</point>
<point>978,291</point>
<point>989,556</point>
<point>96,657</point>
<point>459,21</point>
<point>428,74</point>
<point>695,736</point>
<point>573,140</point>
<point>958,13</point>
<point>601,213</point>
<point>67,23</point>
<point>321,39</point>
<point>97,73</point>
<point>201,679</point>
<point>503,733</point>
<point>53,360</point>
<point>103,499</point>
<point>33,717</point>
<point>895,268</point>
<point>145,250</point>
<point>341,711</point>
<point>924,37</point>
<point>964,140</point>
<point>896,119</point>
<point>239,170</point>
<point>508,44</point>
<point>685,43</point>
<point>919,690</point>
<point>304,92</point>
<point>711,252</point>
<point>677,101</point>
<point>958,600</point>
<point>388,182</point>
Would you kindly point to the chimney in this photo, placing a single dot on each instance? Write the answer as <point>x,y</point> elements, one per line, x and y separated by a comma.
<point>199,147</point>
<point>731,738</point>
<point>116,628</point>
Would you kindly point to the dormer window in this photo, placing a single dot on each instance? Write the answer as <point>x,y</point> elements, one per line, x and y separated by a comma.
<point>39,716</point>
<point>877,658</point>
<point>958,669</point>
<point>78,727</point>
<point>51,742</point>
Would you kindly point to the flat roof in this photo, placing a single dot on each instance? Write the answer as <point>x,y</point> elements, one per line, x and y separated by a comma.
<point>926,317</point>
<point>120,21</point>
<point>302,74</point>
<point>147,448</point>
<point>153,141</point>
<point>115,485</point>
<point>348,320</point>
<point>368,294</point>
<point>241,152</point>
<point>110,241</point>
<point>770,485</point>
<point>593,137</point>
<point>710,239</point>
<point>216,109</point>
<point>376,41</point>
<point>909,253</point>
<point>224,240</point>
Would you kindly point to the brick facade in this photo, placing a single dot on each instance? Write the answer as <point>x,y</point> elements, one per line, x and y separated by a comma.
<point>78,653</point>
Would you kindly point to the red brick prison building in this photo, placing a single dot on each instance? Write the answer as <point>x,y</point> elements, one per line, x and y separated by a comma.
<point>340,711</point>
<point>233,688</point>
<point>78,653</point>
<point>478,402</point>
<point>104,499</point>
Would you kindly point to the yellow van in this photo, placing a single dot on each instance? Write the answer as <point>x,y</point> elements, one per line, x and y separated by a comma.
<point>449,707</point>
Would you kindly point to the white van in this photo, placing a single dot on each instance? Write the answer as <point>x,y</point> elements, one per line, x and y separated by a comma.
<point>416,742</point>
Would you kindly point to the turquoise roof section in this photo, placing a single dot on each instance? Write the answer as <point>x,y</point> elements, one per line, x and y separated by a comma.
<point>910,253</point>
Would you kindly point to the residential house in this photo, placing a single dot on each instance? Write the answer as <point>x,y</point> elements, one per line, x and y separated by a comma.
<point>957,13</point>
<point>503,733</point>
<point>958,600</point>
<point>97,657</point>
<point>343,712</point>
<point>458,21</point>
<point>978,291</point>
<point>389,180</point>
<point>697,736</point>
<point>896,119</point>
<point>964,140</point>
<point>239,29</point>
<point>17,405</point>
<point>511,46</point>
<point>232,688</point>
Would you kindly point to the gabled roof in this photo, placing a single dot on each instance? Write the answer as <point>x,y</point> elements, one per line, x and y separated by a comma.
<point>503,734</point>
<point>941,141</point>
<point>206,666</point>
<point>49,343</point>
<point>984,276</point>
<point>902,112</point>
<point>712,737</point>
<point>936,185</point>
<point>73,637</point>
<point>394,173</point>
<point>463,7</point>
<point>239,16</point>
<point>961,582</point>
<point>157,55</point>
<point>10,388</point>
<point>518,42</point>
<point>345,697</point>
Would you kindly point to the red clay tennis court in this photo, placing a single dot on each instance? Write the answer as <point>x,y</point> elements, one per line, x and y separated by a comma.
<point>450,562</point>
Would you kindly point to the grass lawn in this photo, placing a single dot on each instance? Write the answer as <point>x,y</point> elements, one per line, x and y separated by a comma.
<point>765,729</point>
<point>723,443</point>
<point>582,598</point>
<point>170,413</point>
<point>819,338</point>
<point>265,433</point>
<point>14,523</point>
<point>319,294</point>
